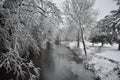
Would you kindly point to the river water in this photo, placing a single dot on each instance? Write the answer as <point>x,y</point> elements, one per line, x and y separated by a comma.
<point>62,67</point>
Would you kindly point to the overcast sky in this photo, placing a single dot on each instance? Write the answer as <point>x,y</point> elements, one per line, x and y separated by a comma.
<point>104,6</point>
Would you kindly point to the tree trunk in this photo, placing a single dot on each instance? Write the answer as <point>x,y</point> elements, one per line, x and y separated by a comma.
<point>102,44</point>
<point>57,41</point>
<point>83,42</point>
<point>78,39</point>
<point>119,46</point>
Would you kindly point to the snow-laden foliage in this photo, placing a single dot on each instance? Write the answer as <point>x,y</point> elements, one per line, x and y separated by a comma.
<point>12,61</point>
<point>25,27</point>
<point>99,34</point>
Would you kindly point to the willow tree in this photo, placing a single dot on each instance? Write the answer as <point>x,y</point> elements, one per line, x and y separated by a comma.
<point>80,14</point>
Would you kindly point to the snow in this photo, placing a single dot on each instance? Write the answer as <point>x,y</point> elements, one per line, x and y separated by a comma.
<point>99,59</point>
<point>104,69</point>
<point>71,44</point>
<point>101,64</point>
<point>107,51</point>
<point>111,53</point>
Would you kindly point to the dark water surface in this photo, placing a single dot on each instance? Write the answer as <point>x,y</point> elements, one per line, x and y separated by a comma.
<point>60,66</point>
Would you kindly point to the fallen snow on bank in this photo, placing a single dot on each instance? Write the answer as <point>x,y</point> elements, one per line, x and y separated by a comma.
<point>70,44</point>
<point>107,51</point>
<point>105,69</point>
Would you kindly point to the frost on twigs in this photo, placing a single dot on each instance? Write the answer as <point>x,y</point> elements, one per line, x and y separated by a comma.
<point>12,61</point>
<point>25,26</point>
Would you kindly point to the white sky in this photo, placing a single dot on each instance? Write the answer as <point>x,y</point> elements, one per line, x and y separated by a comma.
<point>104,6</point>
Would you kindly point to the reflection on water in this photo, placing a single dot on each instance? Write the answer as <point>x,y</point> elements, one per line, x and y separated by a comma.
<point>62,67</point>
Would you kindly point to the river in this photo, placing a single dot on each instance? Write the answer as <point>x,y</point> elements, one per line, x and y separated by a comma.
<point>62,67</point>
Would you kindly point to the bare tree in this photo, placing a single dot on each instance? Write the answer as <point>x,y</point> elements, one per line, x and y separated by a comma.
<point>80,14</point>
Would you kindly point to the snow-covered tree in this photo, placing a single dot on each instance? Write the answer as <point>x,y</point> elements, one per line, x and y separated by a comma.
<point>115,25</point>
<point>79,14</point>
<point>111,27</point>
<point>98,36</point>
<point>25,25</point>
<point>102,30</point>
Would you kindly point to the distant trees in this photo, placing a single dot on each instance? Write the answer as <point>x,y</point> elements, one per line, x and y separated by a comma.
<point>100,33</point>
<point>99,38</point>
<point>110,25</point>
<point>80,15</point>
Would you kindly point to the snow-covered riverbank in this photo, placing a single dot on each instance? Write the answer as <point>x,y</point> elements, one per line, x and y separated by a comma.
<point>104,61</point>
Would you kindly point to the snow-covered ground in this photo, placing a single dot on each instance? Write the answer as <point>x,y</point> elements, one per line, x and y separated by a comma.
<point>110,52</point>
<point>104,69</point>
<point>100,60</point>
<point>102,64</point>
<point>107,51</point>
